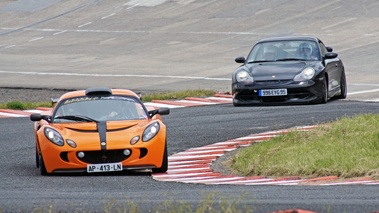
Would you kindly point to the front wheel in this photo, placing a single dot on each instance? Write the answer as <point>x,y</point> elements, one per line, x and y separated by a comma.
<point>325,92</point>
<point>164,166</point>
<point>37,158</point>
<point>235,103</point>
<point>42,167</point>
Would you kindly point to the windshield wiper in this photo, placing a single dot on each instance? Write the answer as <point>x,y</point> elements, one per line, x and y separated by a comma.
<point>77,118</point>
<point>290,59</point>
<point>259,61</point>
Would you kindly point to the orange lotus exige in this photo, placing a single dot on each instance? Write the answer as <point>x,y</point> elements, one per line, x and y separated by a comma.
<point>100,130</point>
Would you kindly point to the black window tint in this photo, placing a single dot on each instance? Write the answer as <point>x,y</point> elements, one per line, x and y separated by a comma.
<point>323,49</point>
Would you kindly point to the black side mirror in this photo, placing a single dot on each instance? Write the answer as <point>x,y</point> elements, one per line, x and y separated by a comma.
<point>160,111</point>
<point>54,101</point>
<point>164,111</point>
<point>38,117</point>
<point>331,55</point>
<point>35,117</point>
<point>240,60</point>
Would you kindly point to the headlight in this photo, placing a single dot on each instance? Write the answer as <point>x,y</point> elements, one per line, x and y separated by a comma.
<point>150,131</point>
<point>54,136</point>
<point>305,75</point>
<point>243,76</point>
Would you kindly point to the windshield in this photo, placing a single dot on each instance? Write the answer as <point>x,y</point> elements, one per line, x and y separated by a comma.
<point>284,51</point>
<point>91,109</point>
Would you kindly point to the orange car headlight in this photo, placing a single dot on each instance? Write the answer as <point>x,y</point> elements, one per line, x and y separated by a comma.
<point>151,131</point>
<point>54,136</point>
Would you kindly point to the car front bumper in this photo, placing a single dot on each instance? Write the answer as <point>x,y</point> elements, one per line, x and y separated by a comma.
<point>297,92</point>
<point>143,155</point>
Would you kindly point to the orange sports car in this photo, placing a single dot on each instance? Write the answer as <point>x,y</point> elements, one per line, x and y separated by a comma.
<point>100,130</point>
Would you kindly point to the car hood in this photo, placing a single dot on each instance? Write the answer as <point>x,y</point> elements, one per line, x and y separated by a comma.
<point>275,70</point>
<point>93,136</point>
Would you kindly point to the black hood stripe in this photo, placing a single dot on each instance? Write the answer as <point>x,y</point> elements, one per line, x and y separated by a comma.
<point>102,128</point>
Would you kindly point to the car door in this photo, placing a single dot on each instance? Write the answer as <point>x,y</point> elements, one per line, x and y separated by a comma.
<point>333,67</point>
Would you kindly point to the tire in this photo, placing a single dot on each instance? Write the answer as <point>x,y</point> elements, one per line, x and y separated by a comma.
<point>235,103</point>
<point>42,167</point>
<point>37,159</point>
<point>325,92</point>
<point>343,86</point>
<point>164,166</point>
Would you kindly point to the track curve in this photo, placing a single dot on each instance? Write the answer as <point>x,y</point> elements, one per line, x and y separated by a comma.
<point>23,189</point>
<point>175,45</point>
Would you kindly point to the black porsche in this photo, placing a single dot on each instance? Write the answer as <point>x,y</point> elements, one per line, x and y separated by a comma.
<point>292,69</point>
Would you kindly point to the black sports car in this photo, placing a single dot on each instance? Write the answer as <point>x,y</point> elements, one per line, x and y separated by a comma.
<point>293,69</point>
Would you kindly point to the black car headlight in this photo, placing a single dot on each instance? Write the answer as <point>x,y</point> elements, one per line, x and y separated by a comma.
<point>54,136</point>
<point>307,74</point>
<point>151,131</point>
<point>244,76</point>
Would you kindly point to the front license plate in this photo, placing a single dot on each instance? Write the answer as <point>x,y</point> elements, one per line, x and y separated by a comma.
<point>272,92</point>
<point>104,167</point>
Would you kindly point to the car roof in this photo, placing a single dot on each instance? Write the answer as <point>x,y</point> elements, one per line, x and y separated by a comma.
<point>288,38</point>
<point>98,91</point>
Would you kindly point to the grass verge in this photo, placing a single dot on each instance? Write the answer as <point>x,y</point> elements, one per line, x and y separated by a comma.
<point>210,203</point>
<point>177,95</point>
<point>345,148</point>
<point>19,105</point>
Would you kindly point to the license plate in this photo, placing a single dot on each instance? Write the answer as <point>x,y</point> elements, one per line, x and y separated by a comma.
<point>272,92</point>
<point>105,167</point>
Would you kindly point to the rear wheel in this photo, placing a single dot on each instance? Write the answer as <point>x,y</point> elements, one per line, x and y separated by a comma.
<point>343,89</point>
<point>164,166</point>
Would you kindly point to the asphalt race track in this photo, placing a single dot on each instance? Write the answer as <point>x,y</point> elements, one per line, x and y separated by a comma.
<point>158,45</point>
<point>22,188</point>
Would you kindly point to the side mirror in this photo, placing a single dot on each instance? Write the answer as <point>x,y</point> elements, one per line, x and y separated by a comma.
<point>329,49</point>
<point>39,117</point>
<point>331,55</point>
<point>54,101</point>
<point>240,60</point>
<point>139,95</point>
<point>35,117</point>
<point>160,111</point>
<point>164,111</point>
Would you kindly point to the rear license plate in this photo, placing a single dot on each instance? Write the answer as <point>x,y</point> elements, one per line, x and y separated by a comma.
<point>272,92</point>
<point>105,167</point>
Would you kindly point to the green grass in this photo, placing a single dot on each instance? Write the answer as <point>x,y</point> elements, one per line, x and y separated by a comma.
<point>18,105</point>
<point>346,148</point>
<point>177,95</point>
<point>208,204</point>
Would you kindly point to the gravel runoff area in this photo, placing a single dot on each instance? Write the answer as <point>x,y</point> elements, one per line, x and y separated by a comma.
<point>29,95</point>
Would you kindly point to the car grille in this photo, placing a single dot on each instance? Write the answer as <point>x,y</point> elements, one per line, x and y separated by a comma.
<point>253,96</point>
<point>272,82</point>
<point>108,156</point>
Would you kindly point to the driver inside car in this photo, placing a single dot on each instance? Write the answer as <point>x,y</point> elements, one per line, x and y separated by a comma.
<point>305,51</point>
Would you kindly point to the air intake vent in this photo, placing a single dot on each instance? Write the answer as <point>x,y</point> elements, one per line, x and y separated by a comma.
<point>98,91</point>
